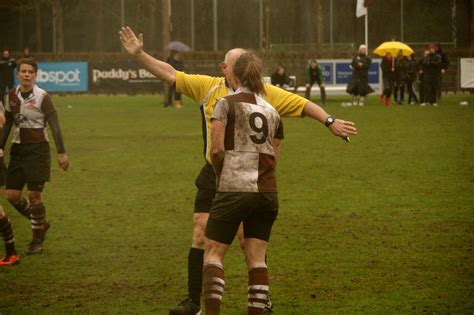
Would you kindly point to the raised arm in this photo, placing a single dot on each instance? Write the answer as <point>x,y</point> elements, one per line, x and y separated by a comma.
<point>339,127</point>
<point>133,45</point>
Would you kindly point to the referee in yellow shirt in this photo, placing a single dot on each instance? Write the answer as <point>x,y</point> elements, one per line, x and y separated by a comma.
<point>206,91</point>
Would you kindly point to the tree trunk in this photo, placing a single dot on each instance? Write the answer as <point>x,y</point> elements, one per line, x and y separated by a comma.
<point>39,36</point>
<point>166,25</point>
<point>99,32</point>
<point>152,25</point>
<point>58,22</point>
<point>266,25</point>
<point>21,27</point>
<point>319,24</point>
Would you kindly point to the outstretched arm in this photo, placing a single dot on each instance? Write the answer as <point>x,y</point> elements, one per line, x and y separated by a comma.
<point>133,45</point>
<point>341,128</point>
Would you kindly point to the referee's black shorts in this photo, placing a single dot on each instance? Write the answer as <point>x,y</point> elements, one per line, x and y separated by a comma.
<point>206,185</point>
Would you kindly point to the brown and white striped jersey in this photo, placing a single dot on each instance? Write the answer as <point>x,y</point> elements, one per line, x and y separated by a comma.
<point>249,159</point>
<point>29,114</point>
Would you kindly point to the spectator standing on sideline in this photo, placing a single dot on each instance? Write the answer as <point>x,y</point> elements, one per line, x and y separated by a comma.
<point>431,68</point>
<point>31,110</point>
<point>444,67</point>
<point>206,90</point>
<point>421,76</point>
<point>280,78</point>
<point>175,61</point>
<point>411,79</point>
<point>358,85</point>
<point>315,74</point>
<point>401,70</point>
<point>388,78</point>
<point>7,66</point>
<point>11,256</point>
<point>246,192</point>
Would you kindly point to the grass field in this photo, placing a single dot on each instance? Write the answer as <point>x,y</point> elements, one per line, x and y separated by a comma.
<point>383,224</point>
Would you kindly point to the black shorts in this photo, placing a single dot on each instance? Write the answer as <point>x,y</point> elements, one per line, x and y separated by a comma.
<point>257,211</point>
<point>206,185</point>
<point>30,164</point>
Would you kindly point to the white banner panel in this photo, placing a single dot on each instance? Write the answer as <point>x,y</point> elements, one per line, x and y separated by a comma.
<point>467,73</point>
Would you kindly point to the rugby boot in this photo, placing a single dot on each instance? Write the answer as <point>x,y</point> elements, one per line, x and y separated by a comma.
<point>186,307</point>
<point>10,260</point>
<point>35,247</point>
<point>39,235</point>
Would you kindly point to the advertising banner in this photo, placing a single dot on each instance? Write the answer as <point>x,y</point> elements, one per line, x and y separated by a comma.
<point>122,77</point>
<point>62,76</point>
<point>467,73</point>
<point>327,71</point>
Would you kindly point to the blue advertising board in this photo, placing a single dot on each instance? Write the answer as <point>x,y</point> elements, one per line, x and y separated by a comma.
<point>327,71</point>
<point>63,76</point>
<point>343,72</point>
<point>374,73</point>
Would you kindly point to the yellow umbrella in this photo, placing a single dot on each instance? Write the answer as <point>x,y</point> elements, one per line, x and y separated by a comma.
<point>393,47</point>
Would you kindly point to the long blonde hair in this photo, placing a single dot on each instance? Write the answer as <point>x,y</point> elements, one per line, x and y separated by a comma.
<point>249,70</point>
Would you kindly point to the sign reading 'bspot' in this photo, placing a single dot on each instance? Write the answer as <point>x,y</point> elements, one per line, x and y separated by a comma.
<point>63,76</point>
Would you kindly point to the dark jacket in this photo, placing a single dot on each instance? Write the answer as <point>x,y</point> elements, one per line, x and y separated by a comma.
<point>280,80</point>
<point>412,69</point>
<point>7,65</point>
<point>177,64</point>
<point>431,66</point>
<point>401,69</point>
<point>359,82</point>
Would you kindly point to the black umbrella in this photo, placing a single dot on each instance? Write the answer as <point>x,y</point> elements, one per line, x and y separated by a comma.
<point>178,46</point>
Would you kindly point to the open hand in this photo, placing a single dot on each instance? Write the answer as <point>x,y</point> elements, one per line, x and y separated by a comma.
<point>343,128</point>
<point>132,44</point>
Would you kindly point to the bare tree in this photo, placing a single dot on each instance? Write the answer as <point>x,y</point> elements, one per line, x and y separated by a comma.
<point>319,24</point>
<point>166,24</point>
<point>39,33</point>
<point>152,24</point>
<point>58,30</point>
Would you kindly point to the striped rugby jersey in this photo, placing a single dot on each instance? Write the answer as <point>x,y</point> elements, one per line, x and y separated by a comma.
<point>207,90</point>
<point>249,159</point>
<point>29,114</point>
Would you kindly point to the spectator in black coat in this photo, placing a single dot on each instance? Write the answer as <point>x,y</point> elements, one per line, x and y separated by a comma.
<point>388,78</point>
<point>411,79</point>
<point>401,71</point>
<point>431,68</point>
<point>444,67</point>
<point>175,61</point>
<point>358,85</point>
<point>7,65</point>
<point>421,75</point>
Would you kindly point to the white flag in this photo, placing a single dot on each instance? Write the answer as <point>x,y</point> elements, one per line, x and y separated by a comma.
<point>361,10</point>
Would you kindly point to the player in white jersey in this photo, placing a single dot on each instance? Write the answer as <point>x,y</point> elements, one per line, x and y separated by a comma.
<point>11,256</point>
<point>246,132</point>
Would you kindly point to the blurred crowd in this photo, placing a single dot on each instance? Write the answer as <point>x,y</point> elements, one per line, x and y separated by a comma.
<point>404,78</point>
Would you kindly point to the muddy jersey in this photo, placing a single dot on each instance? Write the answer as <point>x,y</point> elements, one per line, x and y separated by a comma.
<point>249,159</point>
<point>206,91</point>
<point>29,115</point>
